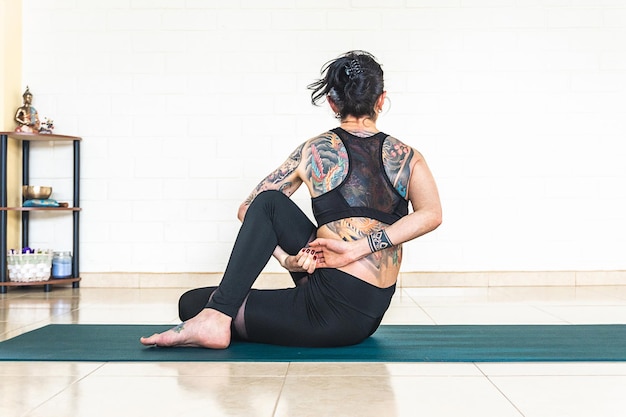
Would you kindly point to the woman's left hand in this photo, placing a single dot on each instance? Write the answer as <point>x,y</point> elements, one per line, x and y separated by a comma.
<point>304,261</point>
<point>334,253</point>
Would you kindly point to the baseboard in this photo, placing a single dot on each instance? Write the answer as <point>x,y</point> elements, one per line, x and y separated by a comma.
<point>406,279</point>
<point>512,279</point>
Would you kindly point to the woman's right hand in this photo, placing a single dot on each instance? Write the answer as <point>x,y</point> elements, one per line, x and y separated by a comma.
<point>336,253</point>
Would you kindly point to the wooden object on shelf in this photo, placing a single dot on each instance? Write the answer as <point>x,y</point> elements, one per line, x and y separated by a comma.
<point>26,139</point>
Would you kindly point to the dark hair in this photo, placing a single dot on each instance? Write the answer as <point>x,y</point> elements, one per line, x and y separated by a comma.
<point>354,81</point>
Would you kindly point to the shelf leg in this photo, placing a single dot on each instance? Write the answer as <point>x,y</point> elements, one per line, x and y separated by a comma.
<point>4,142</point>
<point>76,216</point>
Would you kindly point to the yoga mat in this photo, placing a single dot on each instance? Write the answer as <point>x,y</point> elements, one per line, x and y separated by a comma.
<point>402,343</point>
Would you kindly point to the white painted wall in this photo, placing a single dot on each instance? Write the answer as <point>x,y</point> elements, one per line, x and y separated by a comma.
<point>184,105</point>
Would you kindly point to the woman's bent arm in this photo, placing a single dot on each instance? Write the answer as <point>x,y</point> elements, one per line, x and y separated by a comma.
<point>285,179</point>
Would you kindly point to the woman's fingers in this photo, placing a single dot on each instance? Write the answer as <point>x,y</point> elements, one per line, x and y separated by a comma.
<point>307,260</point>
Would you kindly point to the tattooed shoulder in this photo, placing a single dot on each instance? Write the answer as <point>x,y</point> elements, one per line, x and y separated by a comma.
<point>397,158</point>
<point>326,162</point>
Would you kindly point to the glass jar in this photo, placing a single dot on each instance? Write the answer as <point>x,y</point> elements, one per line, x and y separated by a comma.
<point>61,264</point>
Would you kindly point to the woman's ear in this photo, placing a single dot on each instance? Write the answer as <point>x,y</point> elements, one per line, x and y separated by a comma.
<point>332,105</point>
<point>381,101</point>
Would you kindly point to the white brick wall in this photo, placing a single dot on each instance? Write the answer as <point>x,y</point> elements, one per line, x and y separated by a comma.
<point>517,105</point>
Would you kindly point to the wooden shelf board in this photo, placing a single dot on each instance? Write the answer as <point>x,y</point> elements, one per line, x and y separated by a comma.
<point>39,208</point>
<point>39,136</point>
<point>51,281</point>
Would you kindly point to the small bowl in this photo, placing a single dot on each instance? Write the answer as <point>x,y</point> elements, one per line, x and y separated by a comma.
<point>36,192</point>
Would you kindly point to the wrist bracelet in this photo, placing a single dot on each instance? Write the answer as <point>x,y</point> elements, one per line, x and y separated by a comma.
<point>379,241</point>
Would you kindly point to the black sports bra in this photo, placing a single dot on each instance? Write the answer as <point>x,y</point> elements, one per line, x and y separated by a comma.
<point>366,191</point>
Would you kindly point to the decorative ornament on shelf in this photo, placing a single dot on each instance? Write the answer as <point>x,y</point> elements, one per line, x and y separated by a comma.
<point>47,126</point>
<point>26,116</point>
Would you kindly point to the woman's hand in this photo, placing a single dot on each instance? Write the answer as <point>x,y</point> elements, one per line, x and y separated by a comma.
<point>335,253</point>
<point>304,261</point>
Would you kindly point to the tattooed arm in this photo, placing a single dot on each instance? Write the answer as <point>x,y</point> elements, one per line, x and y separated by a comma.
<point>284,179</point>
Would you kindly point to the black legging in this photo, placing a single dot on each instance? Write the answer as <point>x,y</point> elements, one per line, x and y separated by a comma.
<point>272,219</point>
<point>330,308</point>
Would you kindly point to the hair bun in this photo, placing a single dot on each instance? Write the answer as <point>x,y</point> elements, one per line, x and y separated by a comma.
<point>353,82</point>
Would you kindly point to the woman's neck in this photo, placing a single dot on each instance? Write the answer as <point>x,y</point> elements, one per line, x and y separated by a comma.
<point>362,126</point>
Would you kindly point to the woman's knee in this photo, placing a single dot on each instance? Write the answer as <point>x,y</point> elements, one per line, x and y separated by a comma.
<point>272,205</point>
<point>268,199</point>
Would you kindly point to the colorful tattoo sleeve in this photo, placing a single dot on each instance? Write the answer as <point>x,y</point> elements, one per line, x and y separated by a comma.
<point>278,179</point>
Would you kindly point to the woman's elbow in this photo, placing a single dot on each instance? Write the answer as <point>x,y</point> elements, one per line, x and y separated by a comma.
<point>436,219</point>
<point>241,213</point>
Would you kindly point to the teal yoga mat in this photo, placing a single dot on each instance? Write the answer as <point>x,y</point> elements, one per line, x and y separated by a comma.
<point>402,343</point>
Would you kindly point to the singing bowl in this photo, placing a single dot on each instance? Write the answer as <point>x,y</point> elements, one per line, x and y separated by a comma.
<point>36,192</point>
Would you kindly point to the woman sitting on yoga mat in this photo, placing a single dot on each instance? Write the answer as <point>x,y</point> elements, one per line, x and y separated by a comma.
<point>345,269</point>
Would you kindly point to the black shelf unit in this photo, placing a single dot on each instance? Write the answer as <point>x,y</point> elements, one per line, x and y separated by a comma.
<point>26,139</point>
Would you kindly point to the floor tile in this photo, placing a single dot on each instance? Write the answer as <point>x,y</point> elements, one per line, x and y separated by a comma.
<point>402,299</point>
<point>382,369</point>
<point>606,314</point>
<point>206,369</point>
<point>21,394</point>
<point>45,369</point>
<point>10,330</point>
<point>563,296</point>
<point>565,396</point>
<point>165,396</point>
<point>119,315</point>
<point>389,396</point>
<point>491,314</point>
<point>553,369</point>
<point>406,315</point>
<point>454,296</point>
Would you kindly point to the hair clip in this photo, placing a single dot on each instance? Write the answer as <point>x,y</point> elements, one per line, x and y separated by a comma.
<point>353,69</point>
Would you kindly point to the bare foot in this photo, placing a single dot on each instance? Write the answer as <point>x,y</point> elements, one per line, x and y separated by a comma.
<point>209,329</point>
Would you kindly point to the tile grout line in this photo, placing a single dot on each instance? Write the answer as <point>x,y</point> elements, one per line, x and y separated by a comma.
<point>421,308</point>
<point>280,392</point>
<point>499,390</point>
<point>65,388</point>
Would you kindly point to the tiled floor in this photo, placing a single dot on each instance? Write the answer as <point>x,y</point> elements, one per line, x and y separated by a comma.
<point>316,389</point>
